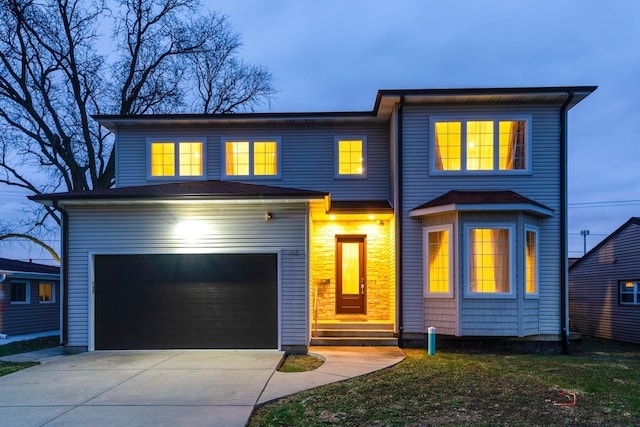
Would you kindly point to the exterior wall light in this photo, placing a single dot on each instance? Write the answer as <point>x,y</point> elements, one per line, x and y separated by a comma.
<point>268,216</point>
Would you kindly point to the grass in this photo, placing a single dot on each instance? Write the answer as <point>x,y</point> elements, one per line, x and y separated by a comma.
<point>465,388</point>
<point>23,347</point>
<point>300,363</point>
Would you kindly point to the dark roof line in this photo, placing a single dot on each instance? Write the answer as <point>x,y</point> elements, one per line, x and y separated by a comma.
<point>200,190</point>
<point>634,220</point>
<point>7,264</point>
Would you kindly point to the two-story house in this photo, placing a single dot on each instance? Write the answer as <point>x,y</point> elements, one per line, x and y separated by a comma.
<point>440,207</point>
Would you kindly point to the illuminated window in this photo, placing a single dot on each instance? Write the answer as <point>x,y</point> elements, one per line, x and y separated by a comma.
<point>438,265</point>
<point>531,262</point>
<point>46,293</point>
<point>489,260</point>
<point>351,157</point>
<point>630,293</point>
<point>20,293</point>
<point>480,145</point>
<point>251,158</point>
<point>177,159</point>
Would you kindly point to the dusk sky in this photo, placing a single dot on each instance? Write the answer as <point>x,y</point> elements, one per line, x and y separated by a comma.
<point>334,55</point>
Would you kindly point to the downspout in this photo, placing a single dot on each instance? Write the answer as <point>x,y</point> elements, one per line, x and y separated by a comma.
<point>64,274</point>
<point>564,253</point>
<point>399,210</point>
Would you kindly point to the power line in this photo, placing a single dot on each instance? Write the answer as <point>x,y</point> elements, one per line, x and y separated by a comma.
<point>604,204</point>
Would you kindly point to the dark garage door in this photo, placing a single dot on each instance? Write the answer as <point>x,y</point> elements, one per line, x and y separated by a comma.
<point>225,301</point>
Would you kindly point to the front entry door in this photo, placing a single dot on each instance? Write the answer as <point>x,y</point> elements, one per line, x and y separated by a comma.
<point>351,281</point>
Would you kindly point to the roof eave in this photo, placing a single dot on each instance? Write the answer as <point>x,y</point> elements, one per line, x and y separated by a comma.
<point>501,207</point>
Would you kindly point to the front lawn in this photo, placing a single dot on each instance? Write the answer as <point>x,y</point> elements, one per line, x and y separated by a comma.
<point>23,347</point>
<point>465,388</point>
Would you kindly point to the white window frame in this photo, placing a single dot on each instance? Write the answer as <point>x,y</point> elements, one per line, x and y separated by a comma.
<point>536,230</point>
<point>336,156</point>
<point>251,141</point>
<point>176,176</point>
<point>27,285</point>
<point>512,261</point>
<point>53,293</point>
<point>425,262</point>
<point>463,119</point>
<point>635,293</point>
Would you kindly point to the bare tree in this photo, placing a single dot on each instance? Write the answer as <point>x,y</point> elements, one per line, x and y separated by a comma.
<point>55,72</point>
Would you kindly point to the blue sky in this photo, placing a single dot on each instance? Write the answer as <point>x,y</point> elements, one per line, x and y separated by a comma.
<point>333,55</point>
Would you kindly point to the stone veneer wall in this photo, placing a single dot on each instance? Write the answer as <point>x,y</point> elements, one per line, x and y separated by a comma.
<point>380,283</point>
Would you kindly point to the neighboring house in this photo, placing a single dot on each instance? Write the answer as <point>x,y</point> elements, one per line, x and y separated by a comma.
<point>440,207</point>
<point>29,297</point>
<point>604,287</point>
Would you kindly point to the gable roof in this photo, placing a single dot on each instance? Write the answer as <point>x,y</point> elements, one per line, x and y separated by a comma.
<point>187,190</point>
<point>632,221</point>
<point>456,200</point>
<point>11,265</point>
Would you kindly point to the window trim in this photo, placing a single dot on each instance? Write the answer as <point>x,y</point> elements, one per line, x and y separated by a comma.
<point>176,176</point>
<point>635,293</point>
<point>336,156</point>
<point>27,285</point>
<point>251,141</point>
<point>512,261</point>
<point>425,264</point>
<point>53,293</point>
<point>496,149</point>
<point>532,228</point>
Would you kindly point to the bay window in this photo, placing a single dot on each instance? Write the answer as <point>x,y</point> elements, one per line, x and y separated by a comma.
<point>531,261</point>
<point>438,243</point>
<point>489,260</point>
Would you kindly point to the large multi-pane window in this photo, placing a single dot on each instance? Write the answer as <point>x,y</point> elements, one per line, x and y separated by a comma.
<point>251,158</point>
<point>438,265</point>
<point>480,145</point>
<point>176,159</point>
<point>489,260</point>
<point>630,293</point>
<point>350,157</point>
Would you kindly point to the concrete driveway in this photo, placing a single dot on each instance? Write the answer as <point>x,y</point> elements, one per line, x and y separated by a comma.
<point>154,388</point>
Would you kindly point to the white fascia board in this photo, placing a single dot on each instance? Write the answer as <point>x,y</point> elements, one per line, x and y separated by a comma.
<point>504,207</point>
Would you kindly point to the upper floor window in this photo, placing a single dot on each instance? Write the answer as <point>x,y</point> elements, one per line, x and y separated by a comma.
<point>483,145</point>
<point>630,293</point>
<point>438,263</point>
<point>251,158</point>
<point>489,260</point>
<point>176,159</point>
<point>351,154</point>
<point>46,293</point>
<point>20,293</point>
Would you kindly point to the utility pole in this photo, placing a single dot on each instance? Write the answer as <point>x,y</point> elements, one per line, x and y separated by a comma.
<point>584,234</point>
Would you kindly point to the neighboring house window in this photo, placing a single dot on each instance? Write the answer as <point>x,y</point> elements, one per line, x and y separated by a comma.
<point>257,158</point>
<point>351,154</point>
<point>480,145</point>
<point>531,261</point>
<point>176,159</point>
<point>630,293</point>
<point>489,260</point>
<point>438,261</point>
<point>20,293</point>
<point>46,293</point>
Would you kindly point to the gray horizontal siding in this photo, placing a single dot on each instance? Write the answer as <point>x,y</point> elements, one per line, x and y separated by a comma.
<point>226,228</point>
<point>594,307</point>
<point>308,160</point>
<point>542,185</point>
<point>443,314</point>
<point>18,319</point>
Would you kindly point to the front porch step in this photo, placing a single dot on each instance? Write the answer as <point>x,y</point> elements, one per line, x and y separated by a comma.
<point>354,341</point>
